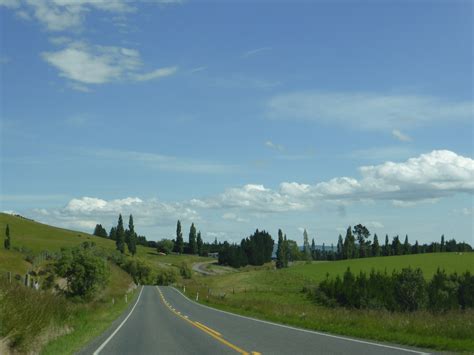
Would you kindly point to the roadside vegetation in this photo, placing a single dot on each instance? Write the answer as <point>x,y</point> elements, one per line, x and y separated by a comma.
<point>77,284</point>
<point>287,296</point>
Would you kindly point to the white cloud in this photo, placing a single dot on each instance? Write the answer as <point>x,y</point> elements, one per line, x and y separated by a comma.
<point>275,146</point>
<point>401,136</point>
<point>197,69</point>
<point>12,4</point>
<point>86,64</point>
<point>366,111</point>
<point>156,74</point>
<point>86,212</point>
<point>233,217</point>
<point>422,179</point>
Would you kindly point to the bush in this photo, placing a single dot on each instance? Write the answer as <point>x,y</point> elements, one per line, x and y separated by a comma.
<point>443,292</point>
<point>166,277</point>
<point>185,271</point>
<point>139,271</point>
<point>410,289</point>
<point>85,270</point>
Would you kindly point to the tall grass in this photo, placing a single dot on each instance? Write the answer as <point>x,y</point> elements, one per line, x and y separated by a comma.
<point>30,318</point>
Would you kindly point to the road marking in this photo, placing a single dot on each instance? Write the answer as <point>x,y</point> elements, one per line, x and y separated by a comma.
<point>209,329</point>
<point>99,349</point>
<point>216,335</point>
<point>305,330</point>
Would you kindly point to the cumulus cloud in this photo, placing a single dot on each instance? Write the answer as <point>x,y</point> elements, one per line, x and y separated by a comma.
<point>86,212</point>
<point>366,111</point>
<point>424,178</point>
<point>93,64</point>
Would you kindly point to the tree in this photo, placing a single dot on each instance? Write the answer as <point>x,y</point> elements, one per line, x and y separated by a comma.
<point>362,234</point>
<point>340,247</point>
<point>313,248</point>
<point>387,251</point>
<point>192,240</point>
<point>375,246</point>
<point>199,244</point>
<point>406,246</point>
<point>120,236</point>
<point>165,246</point>
<point>443,245</point>
<point>85,270</point>
<point>113,233</point>
<point>349,250</point>
<point>416,248</point>
<point>280,254</point>
<point>179,244</point>
<point>100,231</point>
<point>286,252</point>
<point>306,247</point>
<point>131,237</point>
<point>397,248</point>
<point>7,242</point>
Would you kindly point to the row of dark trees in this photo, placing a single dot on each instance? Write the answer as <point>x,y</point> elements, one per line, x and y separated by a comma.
<point>404,290</point>
<point>121,235</point>
<point>195,242</point>
<point>254,250</point>
<point>356,244</point>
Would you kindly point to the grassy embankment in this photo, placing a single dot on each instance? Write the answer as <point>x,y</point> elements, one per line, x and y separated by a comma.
<point>277,295</point>
<point>32,321</point>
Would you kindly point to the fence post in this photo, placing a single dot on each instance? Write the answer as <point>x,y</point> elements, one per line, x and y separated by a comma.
<point>197,296</point>
<point>184,289</point>
<point>27,280</point>
<point>113,300</point>
<point>126,300</point>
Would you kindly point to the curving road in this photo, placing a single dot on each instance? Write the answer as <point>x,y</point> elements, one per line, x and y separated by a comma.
<point>163,321</point>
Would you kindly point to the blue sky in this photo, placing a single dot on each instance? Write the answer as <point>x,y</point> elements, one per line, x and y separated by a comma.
<point>240,115</point>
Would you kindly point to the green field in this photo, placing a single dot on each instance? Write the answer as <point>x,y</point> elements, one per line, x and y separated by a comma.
<point>277,295</point>
<point>53,326</point>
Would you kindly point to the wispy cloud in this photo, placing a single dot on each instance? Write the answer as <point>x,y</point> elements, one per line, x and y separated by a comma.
<point>401,136</point>
<point>166,162</point>
<point>255,51</point>
<point>86,64</point>
<point>367,111</point>
<point>275,146</point>
<point>196,70</point>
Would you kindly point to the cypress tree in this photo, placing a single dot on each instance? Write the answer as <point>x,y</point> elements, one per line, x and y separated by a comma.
<point>443,245</point>
<point>387,249</point>
<point>179,245</point>
<point>280,251</point>
<point>199,243</point>
<point>406,246</point>
<point>7,242</point>
<point>340,247</point>
<point>120,236</point>
<point>286,252</point>
<point>192,240</point>
<point>376,246</point>
<point>131,237</point>
<point>306,247</point>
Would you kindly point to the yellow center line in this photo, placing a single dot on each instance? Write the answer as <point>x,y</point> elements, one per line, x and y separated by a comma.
<point>216,335</point>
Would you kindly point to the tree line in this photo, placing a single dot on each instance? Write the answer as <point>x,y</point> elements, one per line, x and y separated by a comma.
<point>405,290</point>
<point>257,249</point>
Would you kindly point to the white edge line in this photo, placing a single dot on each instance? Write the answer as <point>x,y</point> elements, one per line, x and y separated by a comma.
<point>302,330</point>
<point>120,326</point>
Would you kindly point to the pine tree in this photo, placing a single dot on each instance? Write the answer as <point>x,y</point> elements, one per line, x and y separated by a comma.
<point>179,245</point>
<point>192,240</point>
<point>120,236</point>
<point>7,242</point>
<point>313,249</point>
<point>376,246</point>
<point>416,248</point>
<point>199,243</point>
<point>443,245</point>
<point>349,249</point>
<point>100,231</point>
<point>286,252</point>
<point>131,237</point>
<point>362,234</point>
<point>397,248</point>
<point>306,247</point>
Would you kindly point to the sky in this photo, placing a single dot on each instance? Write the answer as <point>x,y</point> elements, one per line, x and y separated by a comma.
<point>238,115</point>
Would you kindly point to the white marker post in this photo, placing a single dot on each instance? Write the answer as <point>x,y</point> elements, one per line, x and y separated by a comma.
<point>126,300</point>
<point>197,296</point>
<point>184,289</point>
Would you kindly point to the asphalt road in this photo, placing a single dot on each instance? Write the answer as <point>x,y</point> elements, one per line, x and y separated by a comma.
<point>163,321</point>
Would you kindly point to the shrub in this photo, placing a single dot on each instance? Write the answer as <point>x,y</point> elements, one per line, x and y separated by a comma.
<point>443,292</point>
<point>85,270</point>
<point>410,289</point>
<point>166,277</point>
<point>185,271</point>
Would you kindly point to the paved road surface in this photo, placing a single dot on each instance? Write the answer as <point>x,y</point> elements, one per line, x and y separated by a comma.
<point>163,321</point>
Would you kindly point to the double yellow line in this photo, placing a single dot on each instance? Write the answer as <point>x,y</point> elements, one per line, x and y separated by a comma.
<point>213,333</point>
